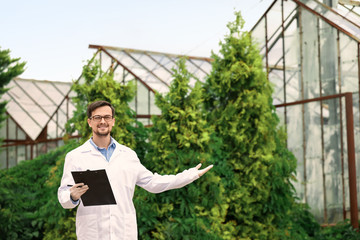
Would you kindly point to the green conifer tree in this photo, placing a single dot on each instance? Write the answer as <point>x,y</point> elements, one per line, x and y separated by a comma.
<point>179,140</point>
<point>9,68</point>
<point>239,101</point>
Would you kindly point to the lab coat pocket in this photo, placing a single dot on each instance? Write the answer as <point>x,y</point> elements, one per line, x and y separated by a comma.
<point>130,226</point>
<point>86,227</point>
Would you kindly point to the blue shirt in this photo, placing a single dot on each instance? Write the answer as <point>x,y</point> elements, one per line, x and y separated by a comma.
<point>105,152</point>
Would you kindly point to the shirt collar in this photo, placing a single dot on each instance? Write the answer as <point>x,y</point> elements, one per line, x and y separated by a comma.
<point>111,145</point>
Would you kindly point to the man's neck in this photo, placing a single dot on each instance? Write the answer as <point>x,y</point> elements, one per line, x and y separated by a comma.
<point>102,141</point>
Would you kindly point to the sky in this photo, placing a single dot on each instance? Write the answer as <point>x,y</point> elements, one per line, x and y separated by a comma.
<point>53,37</point>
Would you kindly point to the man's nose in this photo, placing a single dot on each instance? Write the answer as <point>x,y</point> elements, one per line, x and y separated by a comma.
<point>102,120</point>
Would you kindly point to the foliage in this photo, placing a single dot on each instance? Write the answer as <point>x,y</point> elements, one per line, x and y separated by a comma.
<point>23,196</point>
<point>9,68</point>
<point>238,99</point>
<point>179,140</point>
<point>341,231</point>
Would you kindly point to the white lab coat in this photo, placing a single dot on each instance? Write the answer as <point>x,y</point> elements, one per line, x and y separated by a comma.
<point>124,171</point>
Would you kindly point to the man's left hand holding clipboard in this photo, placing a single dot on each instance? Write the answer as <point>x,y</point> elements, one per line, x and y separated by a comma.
<point>93,187</point>
<point>77,190</point>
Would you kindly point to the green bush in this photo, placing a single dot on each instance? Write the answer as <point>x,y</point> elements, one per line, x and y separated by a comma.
<point>341,231</point>
<point>23,195</point>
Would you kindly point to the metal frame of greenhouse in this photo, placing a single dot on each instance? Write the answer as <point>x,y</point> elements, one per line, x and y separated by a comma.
<point>311,54</point>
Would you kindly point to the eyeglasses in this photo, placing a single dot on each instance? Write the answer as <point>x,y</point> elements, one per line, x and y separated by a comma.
<point>97,118</point>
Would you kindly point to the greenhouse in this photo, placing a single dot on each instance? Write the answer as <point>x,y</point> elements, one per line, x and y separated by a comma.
<point>311,54</point>
<point>36,115</point>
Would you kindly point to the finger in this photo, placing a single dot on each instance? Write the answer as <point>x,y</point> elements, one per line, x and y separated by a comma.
<point>198,166</point>
<point>203,171</point>
<point>78,185</point>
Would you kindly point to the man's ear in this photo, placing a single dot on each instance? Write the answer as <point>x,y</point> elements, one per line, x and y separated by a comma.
<point>88,121</point>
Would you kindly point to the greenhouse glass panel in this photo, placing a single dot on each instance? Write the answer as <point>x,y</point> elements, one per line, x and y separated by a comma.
<point>24,120</point>
<point>106,62</point>
<point>64,88</point>
<point>204,66</point>
<point>328,59</point>
<point>28,152</point>
<point>274,16</point>
<point>349,64</point>
<point>310,63</point>
<point>52,130</point>
<point>3,127</point>
<point>313,157</point>
<point>290,9</point>
<point>334,152</point>
<point>292,62</point>
<point>275,55</point>
<point>276,78</point>
<point>12,156</point>
<point>36,94</point>
<point>295,143</point>
<point>41,148</point>
<point>258,33</point>
<point>356,109</point>
<point>353,13</point>
<point>168,63</point>
<point>35,153</point>
<point>51,91</point>
<point>20,134</point>
<point>154,110</point>
<point>280,111</point>
<point>51,145</point>
<point>21,153</point>
<point>11,129</point>
<point>3,158</point>
<point>142,96</point>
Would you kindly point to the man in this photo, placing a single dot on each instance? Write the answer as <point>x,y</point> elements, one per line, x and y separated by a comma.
<point>124,171</point>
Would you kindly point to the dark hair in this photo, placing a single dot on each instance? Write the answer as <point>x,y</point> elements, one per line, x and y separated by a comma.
<point>97,104</point>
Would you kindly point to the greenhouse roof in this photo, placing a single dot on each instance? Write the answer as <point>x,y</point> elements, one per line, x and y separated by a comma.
<point>32,103</point>
<point>153,69</point>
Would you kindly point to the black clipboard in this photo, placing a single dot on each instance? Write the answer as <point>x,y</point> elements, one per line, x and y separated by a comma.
<point>100,192</point>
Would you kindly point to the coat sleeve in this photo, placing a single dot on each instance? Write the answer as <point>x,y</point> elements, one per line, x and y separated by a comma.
<point>64,190</point>
<point>156,183</point>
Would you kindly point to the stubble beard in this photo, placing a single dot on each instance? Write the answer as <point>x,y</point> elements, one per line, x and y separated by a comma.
<point>102,134</point>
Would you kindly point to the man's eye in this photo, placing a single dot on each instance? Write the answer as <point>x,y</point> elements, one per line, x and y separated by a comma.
<point>97,118</point>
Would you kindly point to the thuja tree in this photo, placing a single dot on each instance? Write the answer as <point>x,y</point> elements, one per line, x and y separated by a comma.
<point>239,102</point>
<point>179,140</point>
<point>9,68</point>
<point>96,85</point>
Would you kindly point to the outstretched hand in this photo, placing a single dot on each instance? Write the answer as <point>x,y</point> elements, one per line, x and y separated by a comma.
<point>203,171</point>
